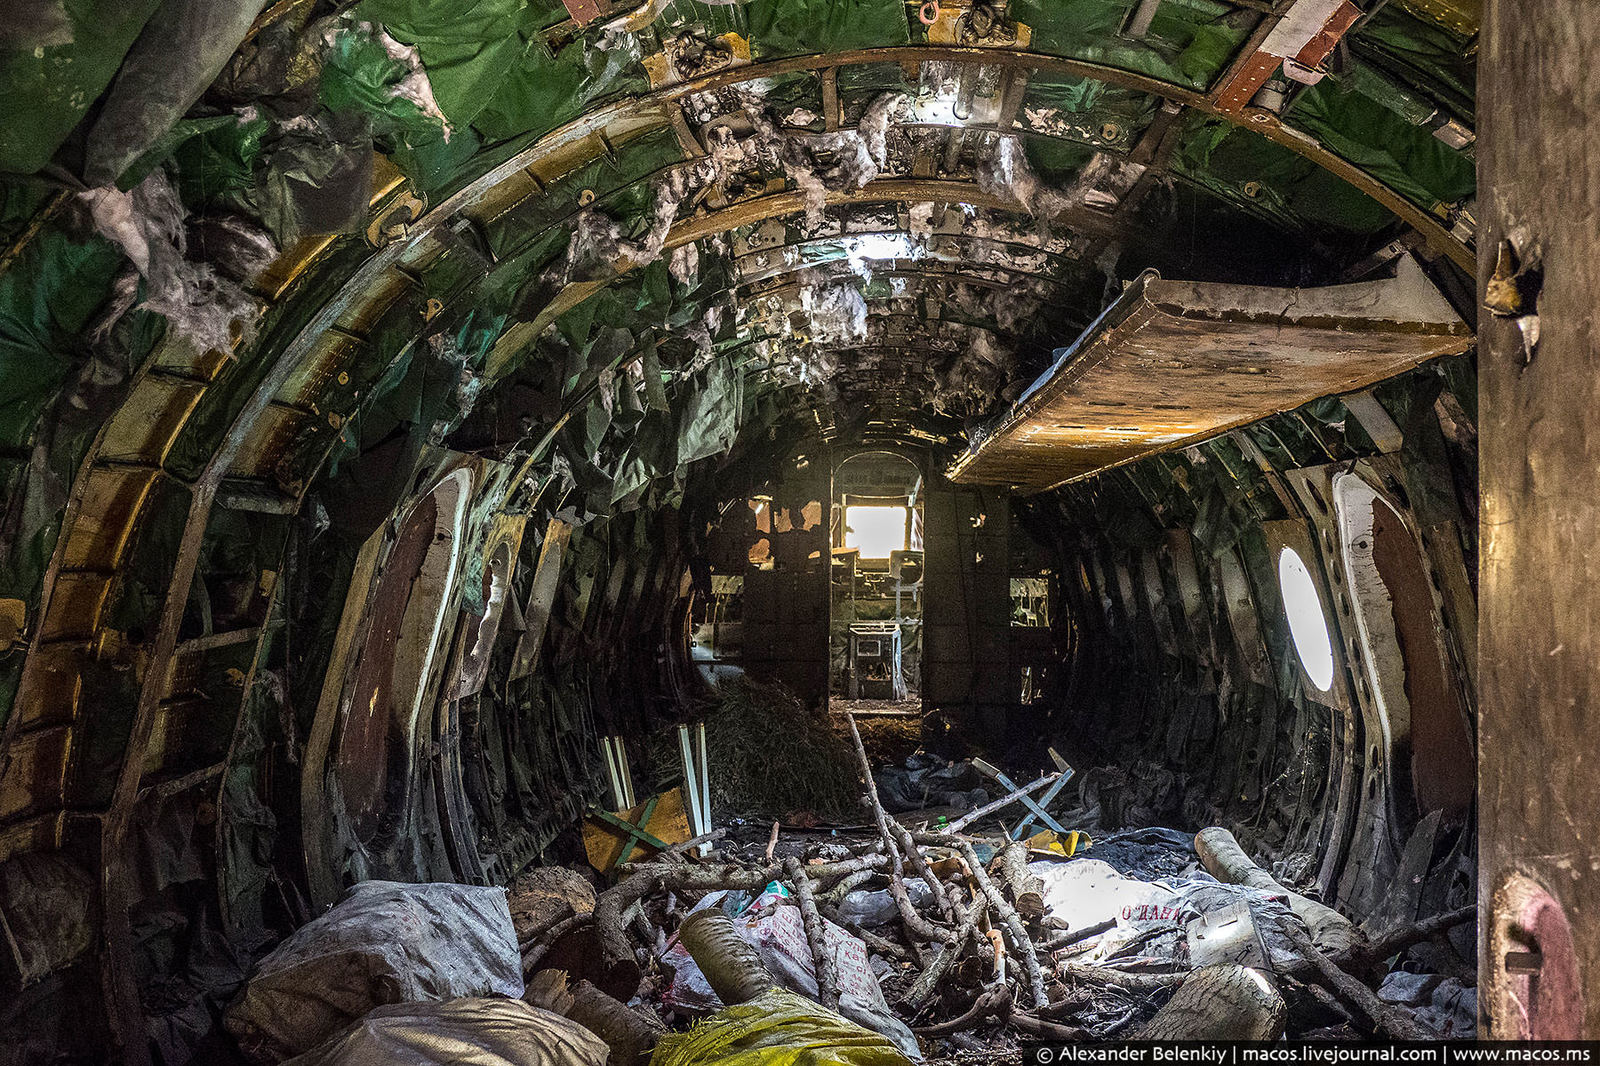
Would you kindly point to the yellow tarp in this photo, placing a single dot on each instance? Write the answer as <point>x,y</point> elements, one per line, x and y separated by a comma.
<point>777,1028</point>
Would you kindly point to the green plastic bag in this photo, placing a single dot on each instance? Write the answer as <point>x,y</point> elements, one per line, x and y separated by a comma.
<point>777,1028</point>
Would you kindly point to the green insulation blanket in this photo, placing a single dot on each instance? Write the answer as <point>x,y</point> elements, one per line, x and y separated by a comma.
<point>1270,181</point>
<point>47,298</point>
<point>1405,157</point>
<point>1421,54</point>
<point>49,86</point>
<point>1188,42</point>
<point>492,68</point>
<point>802,27</point>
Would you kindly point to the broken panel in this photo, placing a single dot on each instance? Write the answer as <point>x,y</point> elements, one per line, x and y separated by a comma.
<point>1171,363</point>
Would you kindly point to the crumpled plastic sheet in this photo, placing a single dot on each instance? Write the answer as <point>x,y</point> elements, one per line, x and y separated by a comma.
<point>159,82</point>
<point>384,942</point>
<point>1157,921</point>
<point>928,781</point>
<point>777,1028</point>
<point>1443,1004</point>
<point>460,1032</point>
<point>872,909</point>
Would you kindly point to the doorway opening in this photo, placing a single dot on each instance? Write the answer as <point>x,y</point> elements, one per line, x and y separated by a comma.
<point>875,585</point>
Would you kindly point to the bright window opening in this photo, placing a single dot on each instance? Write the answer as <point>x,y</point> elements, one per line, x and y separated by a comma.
<point>1307,625</point>
<point>877,531</point>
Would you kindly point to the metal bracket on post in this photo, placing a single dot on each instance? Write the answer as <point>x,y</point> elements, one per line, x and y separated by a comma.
<point>696,780</point>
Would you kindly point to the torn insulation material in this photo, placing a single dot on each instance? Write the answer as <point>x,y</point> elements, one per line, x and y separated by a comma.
<point>836,311</point>
<point>599,250</point>
<point>199,301</point>
<point>1005,171</point>
<point>414,86</point>
<point>820,163</point>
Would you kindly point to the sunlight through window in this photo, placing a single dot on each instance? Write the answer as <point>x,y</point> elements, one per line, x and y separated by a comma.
<point>877,531</point>
<point>1306,623</point>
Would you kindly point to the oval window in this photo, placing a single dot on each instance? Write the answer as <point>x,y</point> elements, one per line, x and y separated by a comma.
<point>1307,624</point>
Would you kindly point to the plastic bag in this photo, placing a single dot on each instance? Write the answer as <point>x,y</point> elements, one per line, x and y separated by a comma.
<point>384,942</point>
<point>776,1029</point>
<point>461,1032</point>
<point>1150,915</point>
<point>872,909</point>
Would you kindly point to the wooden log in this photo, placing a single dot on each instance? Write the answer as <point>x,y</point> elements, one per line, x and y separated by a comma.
<point>929,979</point>
<point>548,990</point>
<point>736,875</point>
<point>848,884</point>
<point>630,1034</point>
<point>677,851</point>
<point>994,1001</point>
<point>1027,890</point>
<point>540,931</point>
<point>730,964</point>
<point>1016,933</point>
<point>1225,860</point>
<point>535,952</point>
<point>881,945</point>
<point>644,878</point>
<point>1109,975</point>
<point>1384,1018</point>
<point>816,933</point>
<point>1220,1003</point>
<point>1046,1029</point>
<point>916,925</point>
<point>997,945</point>
<point>1074,936</point>
<point>1361,958</point>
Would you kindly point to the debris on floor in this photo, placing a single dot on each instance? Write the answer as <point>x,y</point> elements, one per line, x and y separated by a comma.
<point>925,780</point>
<point>971,939</point>
<point>770,756</point>
<point>911,938</point>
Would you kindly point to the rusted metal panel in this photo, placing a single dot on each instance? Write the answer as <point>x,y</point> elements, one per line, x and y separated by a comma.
<point>1304,35</point>
<point>584,12</point>
<point>269,438</point>
<point>32,773</point>
<point>177,356</point>
<point>75,613</point>
<point>1251,75</point>
<point>1171,363</point>
<point>43,833</point>
<point>331,354</point>
<point>55,686</point>
<point>150,419</point>
<point>541,597</point>
<point>112,498</point>
<point>1462,16</point>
